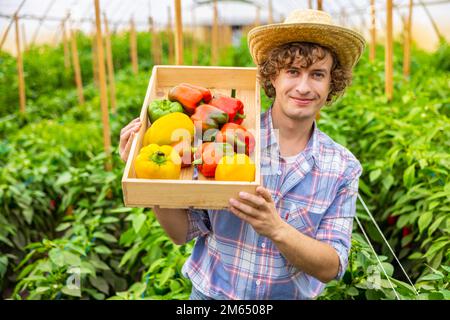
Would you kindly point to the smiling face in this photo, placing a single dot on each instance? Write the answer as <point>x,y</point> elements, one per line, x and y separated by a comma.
<point>301,91</point>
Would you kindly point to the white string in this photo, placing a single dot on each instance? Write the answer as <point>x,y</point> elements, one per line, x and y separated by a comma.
<point>379,262</point>
<point>384,238</point>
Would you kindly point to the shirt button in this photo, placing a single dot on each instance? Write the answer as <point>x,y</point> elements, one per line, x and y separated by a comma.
<point>258,282</point>
<point>263,245</point>
<point>279,172</point>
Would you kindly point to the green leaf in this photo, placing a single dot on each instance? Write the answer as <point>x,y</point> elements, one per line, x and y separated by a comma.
<point>352,291</point>
<point>105,236</point>
<point>120,210</point>
<point>75,292</point>
<point>56,256</point>
<point>388,182</point>
<point>100,284</point>
<point>63,226</point>
<point>42,289</point>
<point>424,220</point>
<point>167,273</point>
<point>28,214</point>
<point>102,250</point>
<point>408,176</point>
<point>374,175</point>
<point>432,277</point>
<point>64,178</point>
<point>138,221</point>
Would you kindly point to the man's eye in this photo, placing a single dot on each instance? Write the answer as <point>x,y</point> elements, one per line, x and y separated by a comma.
<point>293,71</point>
<point>318,75</point>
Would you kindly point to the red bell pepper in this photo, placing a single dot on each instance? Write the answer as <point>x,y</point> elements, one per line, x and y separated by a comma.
<point>234,107</point>
<point>185,150</point>
<point>208,156</point>
<point>189,96</point>
<point>239,137</point>
<point>208,117</point>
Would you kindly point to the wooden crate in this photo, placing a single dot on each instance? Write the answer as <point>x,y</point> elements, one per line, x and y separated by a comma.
<point>186,192</point>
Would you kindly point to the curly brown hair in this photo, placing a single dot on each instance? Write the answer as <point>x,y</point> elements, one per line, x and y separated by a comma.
<point>306,54</point>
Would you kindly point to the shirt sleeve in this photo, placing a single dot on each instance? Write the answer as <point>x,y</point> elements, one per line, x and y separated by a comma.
<point>335,227</point>
<point>198,223</point>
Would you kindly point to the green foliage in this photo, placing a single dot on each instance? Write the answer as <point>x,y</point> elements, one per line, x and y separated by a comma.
<point>64,233</point>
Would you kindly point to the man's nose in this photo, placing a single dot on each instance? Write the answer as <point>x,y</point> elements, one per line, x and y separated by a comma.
<point>303,86</point>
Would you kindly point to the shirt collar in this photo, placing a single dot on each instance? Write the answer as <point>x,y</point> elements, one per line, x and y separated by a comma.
<point>269,138</point>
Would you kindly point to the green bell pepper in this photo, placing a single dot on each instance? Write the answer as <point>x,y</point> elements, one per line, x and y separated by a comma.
<point>159,108</point>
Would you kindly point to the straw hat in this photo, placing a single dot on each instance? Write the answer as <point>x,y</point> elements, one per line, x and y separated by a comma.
<point>307,26</point>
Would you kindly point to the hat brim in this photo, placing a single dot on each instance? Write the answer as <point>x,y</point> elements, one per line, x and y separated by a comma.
<point>346,43</point>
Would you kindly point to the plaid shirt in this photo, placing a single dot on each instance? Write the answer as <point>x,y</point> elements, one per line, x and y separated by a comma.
<point>316,194</point>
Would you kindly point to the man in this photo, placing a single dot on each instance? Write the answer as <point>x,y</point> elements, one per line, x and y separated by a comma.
<point>294,235</point>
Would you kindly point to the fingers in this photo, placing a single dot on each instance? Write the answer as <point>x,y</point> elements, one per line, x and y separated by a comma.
<point>264,193</point>
<point>257,201</point>
<point>124,137</point>
<point>246,209</point>
<point>242,215</point>
<point>126,150</point>
<point>128,126</point>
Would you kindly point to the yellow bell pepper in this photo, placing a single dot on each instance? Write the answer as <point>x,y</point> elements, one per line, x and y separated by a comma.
<point>157,162</point>
<point>170,128</point>
<point>237,167</point>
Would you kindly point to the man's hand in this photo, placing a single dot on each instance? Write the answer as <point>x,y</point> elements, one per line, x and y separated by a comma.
<point>126,138</point>
<point>259,211</point>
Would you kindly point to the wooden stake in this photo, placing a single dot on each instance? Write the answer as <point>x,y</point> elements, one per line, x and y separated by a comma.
<point>66,46</point>
<point>24,38</point>
<point>155,49</point>
<point>373,30</point>
<point>178,34</point>
<point>270,19</point>
<point>170,35</point>
<point>215,37</point>
<point>22,97</point>
<point>258,17</point>
<point>76,66</point>
<point>5,34</point>
<point>407,42</point>
<point>389,87</point>
<point>319,5</point>
<point>194,40</point>
<point>94,58</point>
<point>133,47</point>
<point>310,6</point>
<point>103,91</point>
<point>110,67</point>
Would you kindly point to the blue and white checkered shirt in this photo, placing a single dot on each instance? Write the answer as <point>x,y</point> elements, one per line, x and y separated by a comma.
<point>316,194</point>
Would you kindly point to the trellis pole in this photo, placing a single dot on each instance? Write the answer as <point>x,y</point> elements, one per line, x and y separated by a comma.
<point>22,97</point>
<point>178,33</point>
<point>389,87</point>
<point>76,66</point>
<point>103,91</point>
<point>407,42</point>
<point>270,18</point>
<point>373,30</point>
<point>65,45</point>
<point>24,38</point>
<point>170,35</point>
<point>319,5</point>
<point>194,40</point>
<point>133,47</point>
<point>215,36</point>
<point>94,56</point>
<point>5,34</point>
<point>258,16</point>
<point>310,5</point>
<point>110,66</point>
